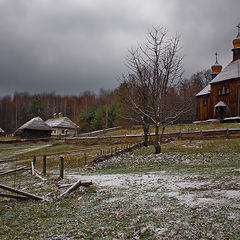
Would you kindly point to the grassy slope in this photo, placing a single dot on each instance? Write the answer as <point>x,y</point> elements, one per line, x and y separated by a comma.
<point>96,216</point>
<point>175,128</point>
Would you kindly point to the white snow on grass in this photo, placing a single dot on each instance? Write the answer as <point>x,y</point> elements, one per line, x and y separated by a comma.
<point>230,194</point>
<point>147,186</point>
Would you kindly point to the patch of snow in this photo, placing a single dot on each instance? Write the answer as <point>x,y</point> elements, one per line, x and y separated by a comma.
<point>231,194</point>
<point>114,199</point>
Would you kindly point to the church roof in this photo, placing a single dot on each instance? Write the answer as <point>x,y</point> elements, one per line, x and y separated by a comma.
<point>231,71</point>
<point>1,131</point>
<point>62,122</point>
<point>220,104</point>
<point>35,124</point>
<point>204,91</point>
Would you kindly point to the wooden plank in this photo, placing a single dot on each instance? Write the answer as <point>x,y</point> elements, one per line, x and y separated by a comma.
<point>72,188</point>
<point>15,170</point>
<point>29,195</point>
<point>13,196</point>
<point>85,184</point>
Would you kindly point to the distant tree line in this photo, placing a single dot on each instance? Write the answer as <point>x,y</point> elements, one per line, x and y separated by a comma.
<point>89,110</point>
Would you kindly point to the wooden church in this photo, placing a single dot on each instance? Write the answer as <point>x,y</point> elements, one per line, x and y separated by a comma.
<point>220,99</point>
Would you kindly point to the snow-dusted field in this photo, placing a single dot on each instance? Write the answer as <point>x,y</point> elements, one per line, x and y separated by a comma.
<point>174,195</point>
<point>167,196</point>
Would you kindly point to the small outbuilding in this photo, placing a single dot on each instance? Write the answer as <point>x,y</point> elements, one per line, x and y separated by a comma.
<point>35,128</point>
<point>2,133</point>
<point>62,126</point>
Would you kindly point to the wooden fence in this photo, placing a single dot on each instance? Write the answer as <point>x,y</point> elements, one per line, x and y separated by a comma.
<point>182,135</point>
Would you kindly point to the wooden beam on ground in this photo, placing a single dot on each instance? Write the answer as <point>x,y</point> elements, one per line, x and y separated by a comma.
<point>13,196</point>
<point>14,170</point>
<point>85,184</point>
<point>29,195</point>
<point>72,188</point>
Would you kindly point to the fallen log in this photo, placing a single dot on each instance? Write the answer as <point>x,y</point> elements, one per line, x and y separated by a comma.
<point>13,196</point>
<point>29,195</point>
<point>72,188</point>
<point>14,170</point>
<point>85,184</point>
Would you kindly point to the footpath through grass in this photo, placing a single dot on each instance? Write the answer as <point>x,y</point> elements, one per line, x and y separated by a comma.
<point>191,194</point>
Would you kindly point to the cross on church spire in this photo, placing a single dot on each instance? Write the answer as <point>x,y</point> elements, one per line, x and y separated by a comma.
<point>216,54</point>
<point>238,26</point>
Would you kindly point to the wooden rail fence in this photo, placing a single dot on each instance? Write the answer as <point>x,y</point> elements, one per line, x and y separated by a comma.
<point>182,135</point>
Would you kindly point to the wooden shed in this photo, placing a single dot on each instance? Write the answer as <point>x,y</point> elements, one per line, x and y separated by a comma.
<point>34,128</point>
<point>2,133</point>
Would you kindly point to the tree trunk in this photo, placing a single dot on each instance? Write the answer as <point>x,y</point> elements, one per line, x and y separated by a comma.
<point>146,132</point>
<point>157,142</point>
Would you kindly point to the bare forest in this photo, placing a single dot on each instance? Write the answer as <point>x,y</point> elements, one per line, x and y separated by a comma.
<point>89,110</point>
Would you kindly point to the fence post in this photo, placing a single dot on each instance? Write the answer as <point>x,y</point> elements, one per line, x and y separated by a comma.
<point>179,135</point>
<point>61,165</point>
<point>85,158</point>
<point>33,165</point>
<point>34,161</point>
<point>227,133</point>
<point>201,135</point>
<point>44,171</point>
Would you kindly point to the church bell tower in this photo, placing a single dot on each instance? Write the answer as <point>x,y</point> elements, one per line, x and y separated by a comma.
<point>236,45</point>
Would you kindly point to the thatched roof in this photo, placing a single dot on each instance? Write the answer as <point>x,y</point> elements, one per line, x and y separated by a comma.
<point>35,124</point>
<point>62,122</point>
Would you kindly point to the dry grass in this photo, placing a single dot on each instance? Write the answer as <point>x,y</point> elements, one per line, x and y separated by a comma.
<point>175,128</point>
<point>74,155</point>
<point>216,145</point>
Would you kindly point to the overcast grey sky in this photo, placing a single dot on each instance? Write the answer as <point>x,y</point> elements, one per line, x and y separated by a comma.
<point>69,46</point>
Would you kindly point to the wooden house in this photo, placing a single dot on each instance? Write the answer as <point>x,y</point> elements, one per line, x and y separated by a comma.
<point>220,99</point>
<point>62,126</point>
<point>34,128</point>
<point>2,133</point>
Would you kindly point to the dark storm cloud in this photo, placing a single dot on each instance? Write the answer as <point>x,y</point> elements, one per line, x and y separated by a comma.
<point>69,46</point>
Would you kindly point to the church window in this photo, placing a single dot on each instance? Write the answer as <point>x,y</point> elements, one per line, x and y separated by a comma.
<point>204,102</point>
<point>226,90</point>
<point>223,90</point>
<point>219,92</point>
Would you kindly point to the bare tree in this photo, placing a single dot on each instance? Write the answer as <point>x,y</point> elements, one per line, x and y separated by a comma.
<point>129,96</point>
<point>154,69</point>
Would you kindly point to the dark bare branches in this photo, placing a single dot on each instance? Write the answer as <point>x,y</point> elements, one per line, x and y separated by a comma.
<point>154,68</point>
